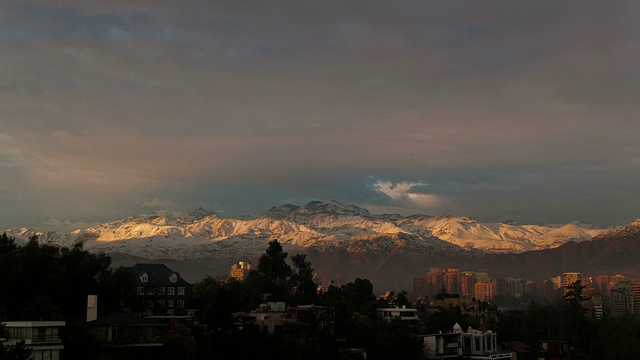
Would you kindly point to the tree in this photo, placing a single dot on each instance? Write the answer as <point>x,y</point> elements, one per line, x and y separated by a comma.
<point>273,264</point>
<point>402,299</point>
<point>180,341</point>
<point>576,327</point>
<point>19,351</point>
<point>574,297</point>
<point>302,280</point>
<point>273,261</point>
<point>41,308</point>
<point>7,244</point>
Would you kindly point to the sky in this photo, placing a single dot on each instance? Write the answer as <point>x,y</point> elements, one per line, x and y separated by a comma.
<point>499,110</point>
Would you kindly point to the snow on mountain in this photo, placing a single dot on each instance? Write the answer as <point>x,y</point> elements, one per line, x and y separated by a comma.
<point>496,237</point>
<point>316,228</point>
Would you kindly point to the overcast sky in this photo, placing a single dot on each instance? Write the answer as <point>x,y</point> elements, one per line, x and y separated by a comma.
<point>520,110</point>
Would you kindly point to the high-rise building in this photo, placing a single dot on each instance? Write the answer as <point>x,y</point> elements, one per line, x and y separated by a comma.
<point>594,305</point>
<point>240,270</point>
<point>482,275</point>
<point>419,287</point>
<point>467,283</point>
<point>452,281</point>
<point>483,291</point>
<point>636,299</point>
<point>434,281</point>
<point>510,286</point>
<point>617,277</point>
<point>601,285</point>
<point>621,298</point>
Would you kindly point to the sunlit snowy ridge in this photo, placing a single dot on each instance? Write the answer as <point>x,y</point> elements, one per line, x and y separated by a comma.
<point>315,227</point>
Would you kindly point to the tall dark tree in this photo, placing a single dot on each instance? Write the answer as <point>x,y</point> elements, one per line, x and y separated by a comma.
<point>302,280</point>
<point>273,264</point>
<point>576,327</point>
<point>574,296</point>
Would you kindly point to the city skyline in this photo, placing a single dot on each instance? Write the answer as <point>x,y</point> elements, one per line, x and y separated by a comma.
<point>500,111</point>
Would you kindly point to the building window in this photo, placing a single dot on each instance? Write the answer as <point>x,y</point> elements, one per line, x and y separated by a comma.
<point>171,291</point>
<point>150,291</point>
<point>46,354</point>
<point>161,303</point>
<point>181,291</point>
<point>180,303</point>
<point>18,333</point>
<point>161,290</point>
<point>140,290</point>
<point>170,303</point>
<point>173,278</point>
<point>144,278</point>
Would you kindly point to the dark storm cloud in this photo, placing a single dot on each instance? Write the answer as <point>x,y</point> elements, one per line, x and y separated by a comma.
<point>110,108</point>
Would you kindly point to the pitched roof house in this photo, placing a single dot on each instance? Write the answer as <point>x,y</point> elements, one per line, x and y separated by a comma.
<point>162,290</point>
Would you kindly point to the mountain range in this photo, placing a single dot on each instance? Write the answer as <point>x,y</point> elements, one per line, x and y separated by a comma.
<point>389,249</point>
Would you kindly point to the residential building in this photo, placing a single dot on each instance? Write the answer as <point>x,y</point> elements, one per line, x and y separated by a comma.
<point>482,275</point>
<point>270,317</point>
<point>509,286</point>
<point>120,335</point>
<point>442,346</point>
<point>483,291</point>
<point>594,305</point>
<point>323,316</point>
<point>162,290</point>
<point>472,344</point>
<point>452,280</point>
<point>468,280</point>
<point>402,313</point>
<point>419,287</point>
<point>543,290</point>
<point>42,337</point>
<point>602,285</point>
<point>473,310</point>
<point>480,345</point>
<point>434,281</point>
<point>636,299</point>
<point>621,298</point>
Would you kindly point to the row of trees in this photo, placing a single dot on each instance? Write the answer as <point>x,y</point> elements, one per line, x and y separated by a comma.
<point>42,282</point>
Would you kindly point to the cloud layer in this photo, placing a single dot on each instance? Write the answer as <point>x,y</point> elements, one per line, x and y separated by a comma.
<point>522,110</point>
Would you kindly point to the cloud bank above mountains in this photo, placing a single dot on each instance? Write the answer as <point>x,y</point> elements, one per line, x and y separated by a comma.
<point>524,111</point>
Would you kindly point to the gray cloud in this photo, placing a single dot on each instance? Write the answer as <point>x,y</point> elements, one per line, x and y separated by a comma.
<point>107,105</point>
